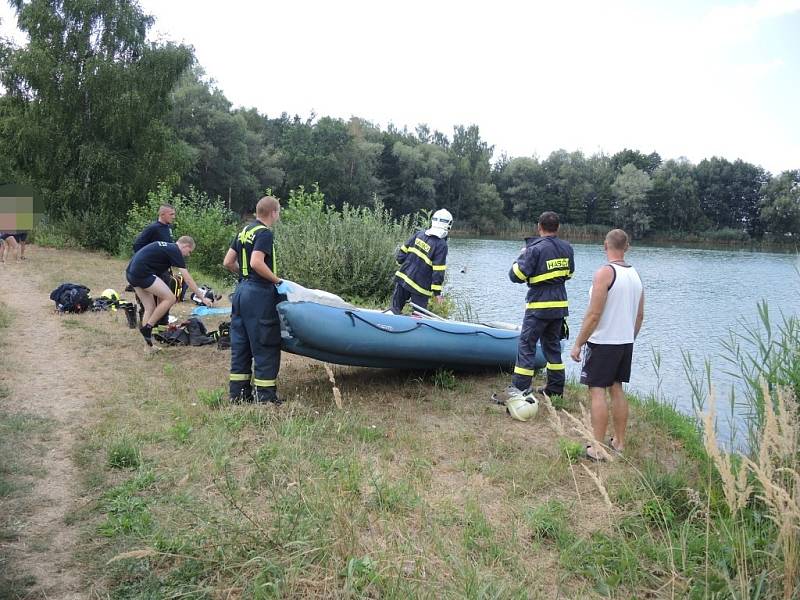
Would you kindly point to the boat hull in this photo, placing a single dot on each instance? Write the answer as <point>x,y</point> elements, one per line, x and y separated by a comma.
<point>350,336</point>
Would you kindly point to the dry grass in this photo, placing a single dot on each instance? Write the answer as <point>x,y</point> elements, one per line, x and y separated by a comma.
<point>776,482</point>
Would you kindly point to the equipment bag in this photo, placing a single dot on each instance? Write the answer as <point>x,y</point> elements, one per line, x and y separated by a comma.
<point>188,333</point>
<point>71,298</point>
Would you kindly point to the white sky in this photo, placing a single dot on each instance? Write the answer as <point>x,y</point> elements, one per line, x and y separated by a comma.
<point>685,78</point>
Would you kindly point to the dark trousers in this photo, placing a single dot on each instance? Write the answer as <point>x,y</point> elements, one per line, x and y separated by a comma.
<point>548,331</point>
<point>402,295</point>
<point>255,342</point>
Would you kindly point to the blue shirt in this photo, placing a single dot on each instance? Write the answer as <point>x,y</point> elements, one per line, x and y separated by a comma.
<point>155,258</point>
<point>155,232</point>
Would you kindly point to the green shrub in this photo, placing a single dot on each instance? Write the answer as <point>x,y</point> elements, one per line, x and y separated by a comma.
<point>97,229</point>
<point>206,220</point>
<point>348,252</point>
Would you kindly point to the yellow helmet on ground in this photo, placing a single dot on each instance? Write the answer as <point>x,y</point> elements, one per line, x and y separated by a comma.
<point>110,295</point>
<point>522,407</point>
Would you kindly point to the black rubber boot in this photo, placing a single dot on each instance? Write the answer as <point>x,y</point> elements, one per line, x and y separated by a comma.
<point>147,333</point>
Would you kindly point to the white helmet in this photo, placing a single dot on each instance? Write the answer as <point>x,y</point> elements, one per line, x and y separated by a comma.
<point>441,221</point>
<point>522,407</point>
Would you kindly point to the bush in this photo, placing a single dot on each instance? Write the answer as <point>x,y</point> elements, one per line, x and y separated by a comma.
<point>94,229</point>
<point>350,253</point>
<point>206,220</point>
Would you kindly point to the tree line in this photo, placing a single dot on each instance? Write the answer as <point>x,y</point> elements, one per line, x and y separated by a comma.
<point>96,116</point>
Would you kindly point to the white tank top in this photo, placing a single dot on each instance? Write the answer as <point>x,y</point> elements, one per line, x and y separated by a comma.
<point>618,321</point>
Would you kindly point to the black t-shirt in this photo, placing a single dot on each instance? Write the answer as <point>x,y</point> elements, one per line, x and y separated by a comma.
<point>262,241</point>
<point>155,232</point>
<point>155,258</point>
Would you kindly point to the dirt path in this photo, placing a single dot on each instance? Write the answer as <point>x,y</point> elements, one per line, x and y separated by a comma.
<point>48,379</point>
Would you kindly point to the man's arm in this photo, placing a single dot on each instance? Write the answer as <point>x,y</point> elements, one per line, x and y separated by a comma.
<point>522,267</point>
<point>193,286</point>
<point>402,252</point>
<point>639,317</point>
<point>231,261</point>
<point>600,282</point>
<point>439,260</point>
<point>259,266</point>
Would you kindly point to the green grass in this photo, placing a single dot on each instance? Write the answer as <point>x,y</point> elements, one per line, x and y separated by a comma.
<point>123,454</point>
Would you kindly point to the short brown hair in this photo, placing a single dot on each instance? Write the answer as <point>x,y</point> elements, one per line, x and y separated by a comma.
<point>186,240</point>
<point>617,239</point>
<point>164,208</point>
<point>266,205</point>
<point>548,221</point>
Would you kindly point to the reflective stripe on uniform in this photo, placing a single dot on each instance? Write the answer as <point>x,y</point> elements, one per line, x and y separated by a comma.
<point>436,288</point>
<point>244,262</point>
<point>523,371</point>
<point>240,377</point>
<point>550,304</point>
<point>264,382</point>
<point>414,285</point>
<point>556,366</point>
<point>551,275</point>
<point>422,255</point>
<point>518,272</point>
<point>439,267</point>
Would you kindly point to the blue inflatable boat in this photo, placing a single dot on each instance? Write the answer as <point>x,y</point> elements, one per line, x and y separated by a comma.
<point>368,338</point>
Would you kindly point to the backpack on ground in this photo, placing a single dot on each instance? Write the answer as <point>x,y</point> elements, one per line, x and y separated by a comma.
<point>71,298</point>
<point>189,333</point>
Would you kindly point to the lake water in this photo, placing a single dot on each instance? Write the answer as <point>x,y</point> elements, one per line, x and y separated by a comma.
<point>693,298</point>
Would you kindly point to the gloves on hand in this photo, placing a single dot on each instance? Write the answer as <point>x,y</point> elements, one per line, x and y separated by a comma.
<point>284,287</point>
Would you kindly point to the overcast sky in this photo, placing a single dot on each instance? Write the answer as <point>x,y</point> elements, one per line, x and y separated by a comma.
<point>692,78</point>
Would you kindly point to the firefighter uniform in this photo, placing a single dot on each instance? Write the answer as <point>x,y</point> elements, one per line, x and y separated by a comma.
<point>255,332</point>
<point>545,265</point>
<point>422,261</point>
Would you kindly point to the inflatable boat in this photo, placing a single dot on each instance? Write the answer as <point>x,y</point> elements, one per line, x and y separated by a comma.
<point>348,335</point>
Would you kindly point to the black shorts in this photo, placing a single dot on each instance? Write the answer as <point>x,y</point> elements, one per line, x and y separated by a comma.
<point>22,236</point>
<point>143,282</point>
<point>605,364</point>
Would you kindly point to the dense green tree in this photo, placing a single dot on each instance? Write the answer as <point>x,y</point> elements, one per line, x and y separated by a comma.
<point>216,139</point>
<point>522,184</point>
<point>644,162</point>
<point>83,115</point>
<point>569,190</point>
<point>471,196</point>
<point>630,189</point>
<point>599,199</point>
<point>730,193</point>
<point>780,208</point>
<point>674,203</point>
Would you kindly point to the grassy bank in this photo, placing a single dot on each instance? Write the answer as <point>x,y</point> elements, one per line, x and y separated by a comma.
<point>416,487</point>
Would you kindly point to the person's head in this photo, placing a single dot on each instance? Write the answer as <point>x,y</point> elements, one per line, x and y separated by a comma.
<point>166,214</point>
<point>441,222</point>
<point>268,210</point>
<point>616,242</point>
<point>548,223</point>
<point>185,244</point>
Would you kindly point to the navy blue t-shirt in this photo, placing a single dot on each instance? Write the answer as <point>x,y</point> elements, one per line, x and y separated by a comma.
<point>155,232</point>
<point>263,241</point>
<point>155,258</point>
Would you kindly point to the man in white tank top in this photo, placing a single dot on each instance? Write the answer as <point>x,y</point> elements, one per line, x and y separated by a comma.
<point>610,325</point>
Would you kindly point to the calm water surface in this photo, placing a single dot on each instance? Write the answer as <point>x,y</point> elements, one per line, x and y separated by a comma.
<point>693,298</point>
